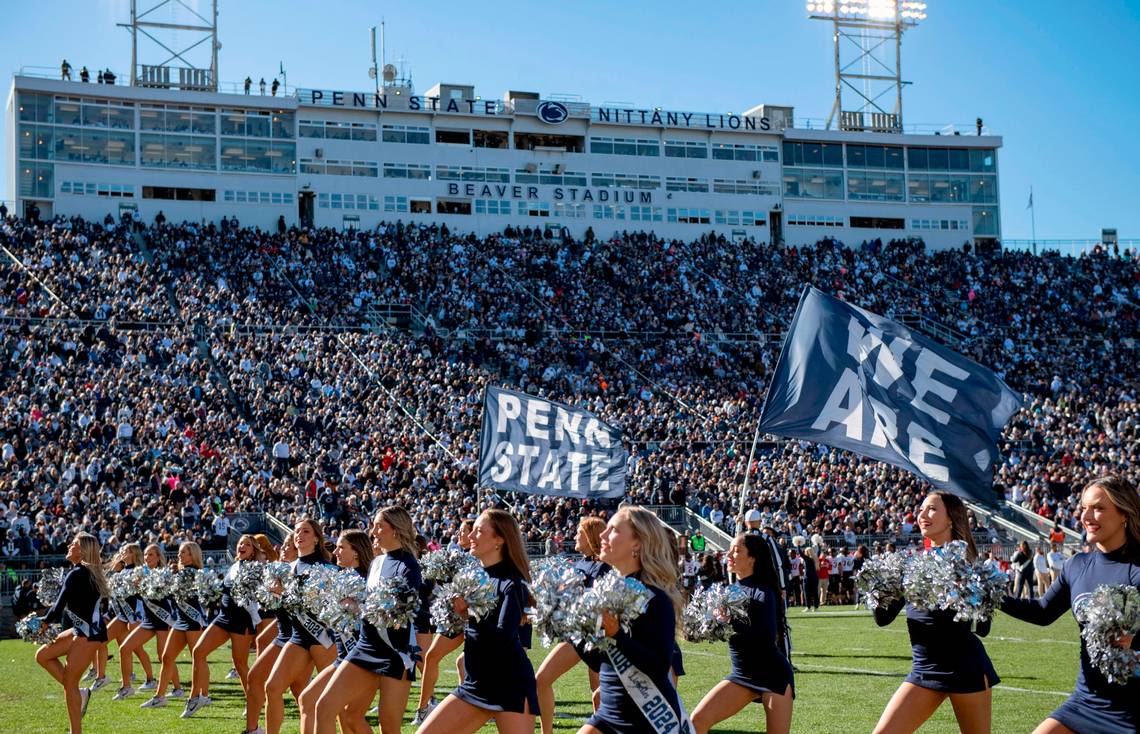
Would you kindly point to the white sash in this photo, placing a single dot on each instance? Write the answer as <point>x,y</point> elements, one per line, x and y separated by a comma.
<point>654,706</point>
<point>409,664</point>
<point>193,613</point>
<point>252,608</point>
<point>162,614</point>
<point>314,628</point>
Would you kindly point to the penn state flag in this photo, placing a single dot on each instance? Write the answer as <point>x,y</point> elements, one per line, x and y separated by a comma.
<point>537,446</point>
<point>854,380</point>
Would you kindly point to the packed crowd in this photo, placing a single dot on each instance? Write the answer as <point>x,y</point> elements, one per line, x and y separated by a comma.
<point>106,427</point>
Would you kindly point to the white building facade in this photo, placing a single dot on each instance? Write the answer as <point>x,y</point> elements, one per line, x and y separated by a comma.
<point>353,159</point>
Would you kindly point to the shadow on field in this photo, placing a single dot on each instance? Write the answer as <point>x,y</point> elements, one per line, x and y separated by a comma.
<point>854,655</point>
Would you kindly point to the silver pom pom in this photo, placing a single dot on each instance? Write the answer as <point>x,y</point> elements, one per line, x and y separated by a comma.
<point>942,579</point>
<point>710,612</point>
<point>881,580</point>
<point>1107,614</point>
<point>246,582</point>
<point>624,597</point>
<point>274,578</point>
<point>475,587</point>
<point>556,587</point>
<point>340,609</point>
<point>442,565</point>
<point>393,603</point>
<point>157,584</point>
<point>208,586</point>
<point>33,629</point>
<point>50,585</point>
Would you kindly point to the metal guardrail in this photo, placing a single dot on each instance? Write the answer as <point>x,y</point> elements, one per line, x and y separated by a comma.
<point>1071,247</point>
<point>1043,524</point>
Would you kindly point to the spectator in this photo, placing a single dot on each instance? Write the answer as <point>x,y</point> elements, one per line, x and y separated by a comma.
<point>697,542</point>
<point>262,86</point>
<point>65,71</point>
<point>1056,562</point>
<point>84,75</point>
<point>1021,564</point>
<point>248,83</point>
<point>1041,570</point>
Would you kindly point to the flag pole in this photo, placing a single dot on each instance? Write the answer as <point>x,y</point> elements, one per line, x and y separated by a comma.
<point>1033,219</point>
<point>748,468</point>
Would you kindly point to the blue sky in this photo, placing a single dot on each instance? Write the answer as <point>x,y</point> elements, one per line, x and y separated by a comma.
<point>1061,86</point>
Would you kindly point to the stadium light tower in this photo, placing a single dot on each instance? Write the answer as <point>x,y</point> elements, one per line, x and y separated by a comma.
<point>199,63</point>
<point>868,59</point>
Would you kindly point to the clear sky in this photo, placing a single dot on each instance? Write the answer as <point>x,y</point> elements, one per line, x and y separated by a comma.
<point>1059,80</point>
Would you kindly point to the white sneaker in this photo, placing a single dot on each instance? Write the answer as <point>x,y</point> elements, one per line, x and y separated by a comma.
<point>84,701</point>
<point>232,674</point>
<point>91,675</point>
<point>100,683</point>
<point>421,714</point>
<point>258,730</point>
<point>150,685</point>
<point>124,692</point>
<point>153,703</point>
<point>194,705</point>
<point>178,693</point>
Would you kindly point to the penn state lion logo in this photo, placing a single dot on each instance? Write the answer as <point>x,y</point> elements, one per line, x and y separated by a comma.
<point>552,113</point>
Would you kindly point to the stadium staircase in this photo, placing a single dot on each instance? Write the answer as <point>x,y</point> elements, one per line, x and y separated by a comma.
<point>684,520</point>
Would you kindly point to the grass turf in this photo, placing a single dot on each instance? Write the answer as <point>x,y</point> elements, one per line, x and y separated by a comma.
<point>848,669</point>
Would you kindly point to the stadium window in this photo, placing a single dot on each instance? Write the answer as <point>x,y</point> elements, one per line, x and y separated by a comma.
<point>35,107</point>
<point>365,132</point>
<point>686,149</point>
<point>451,206</point>
<point>490,139</point>
<point>338,130</point>
<point>453,137</point>
<point>559,143</point>
<point>310,129</point>
<point>172,193</point>
<point>406,134</point>
<point>396,204</point>
<point>878,223</point>
<point>533,209</point>
<point>419,206</point>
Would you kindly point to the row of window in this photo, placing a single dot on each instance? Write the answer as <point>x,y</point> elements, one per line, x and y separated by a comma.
<point>360,202</point>
<point>322,167</point>
<point>473,173</point>
<point>940,224</point>
<point>625,181</point>
<point>178,119</point>
<point>550,177</point>
<point>88,188</point>
<point>814,220</point>
<point>332,130</point>
<point>258,197</point>
<point>822,183</point>
<point>749,187</point>
<point>890,157</point>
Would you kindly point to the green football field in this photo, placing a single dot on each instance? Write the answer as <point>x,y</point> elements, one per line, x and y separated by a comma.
<point>848,669</point>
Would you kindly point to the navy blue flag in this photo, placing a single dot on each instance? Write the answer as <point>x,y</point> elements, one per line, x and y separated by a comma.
<point>853,380</point>
<point>538,446</point>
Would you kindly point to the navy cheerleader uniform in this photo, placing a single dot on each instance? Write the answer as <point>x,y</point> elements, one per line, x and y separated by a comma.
<point>757,662</point>
<point>78,605</point>
<point>233,617</point>
<point>591,568</point>
<point>156,615</point>
<point>649,647</point>
<point>126,610</point>
<point>1096,706</point>
<point>947,656</point>
<point>306,631</point>
<point>422,622</point>
<point>499,675</point>
<point>186,616</point>
<point>392,657</point>
<point>346,643</point>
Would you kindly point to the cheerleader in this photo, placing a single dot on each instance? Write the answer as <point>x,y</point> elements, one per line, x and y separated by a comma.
<point>500,679</point>
<point>382,659</point>
<point>187,621</point>
<point>77,606</point>
<point>948,658</point>
<point>636,544</point>
<point>309,644</point>
<point>760,671</point>
<point>441,646</point>
<point>126,616</point>
<point>1110,514</point>
<point>267,658</point>
<point>266,630</point>
<point>353,550</point>
<point>233,623</point>
<point>563,656</point>
<point>155,623</point>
